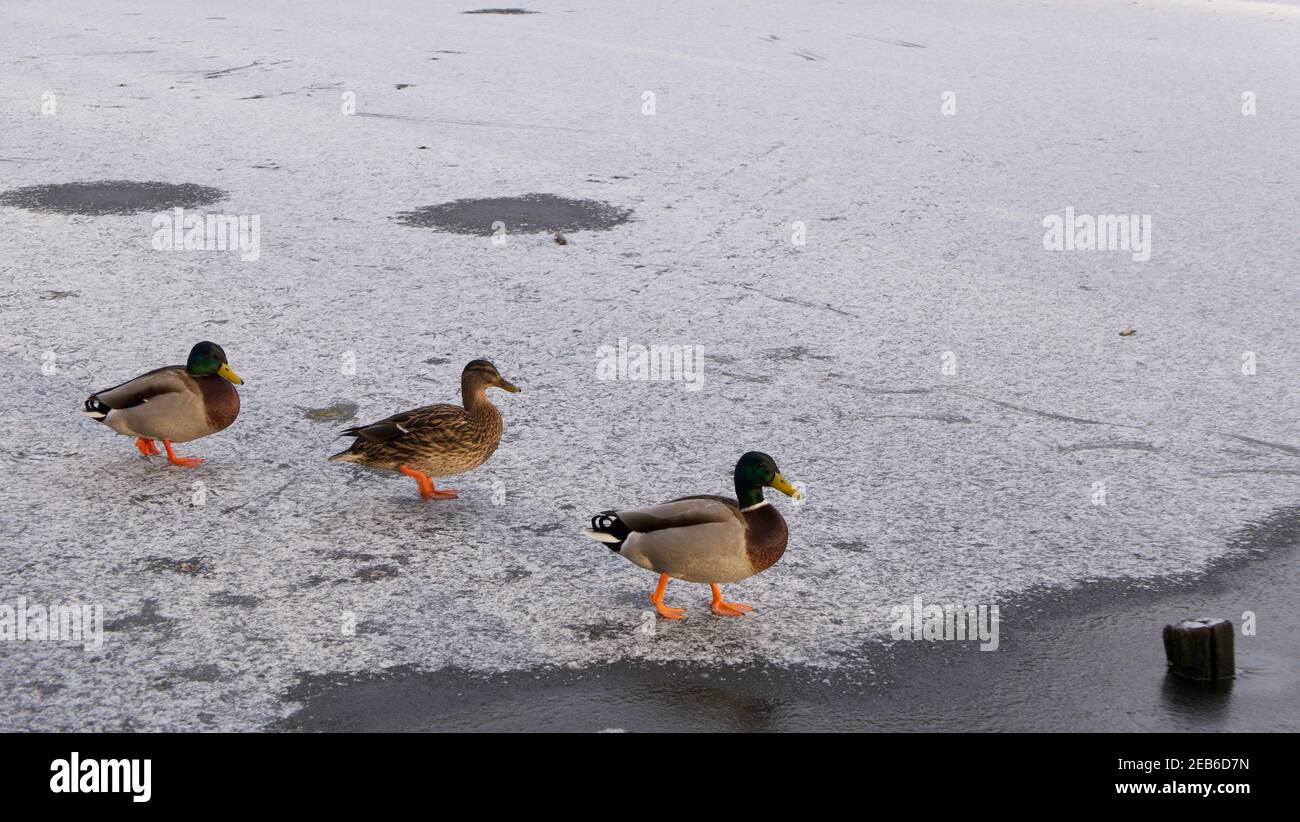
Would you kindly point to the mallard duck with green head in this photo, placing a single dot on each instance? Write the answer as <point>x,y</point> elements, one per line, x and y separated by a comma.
<point>436,440</point>
<point>176,403</point>
<point>708,539</point>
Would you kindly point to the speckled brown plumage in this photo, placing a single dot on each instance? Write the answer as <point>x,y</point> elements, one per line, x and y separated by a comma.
<point>438,440</point>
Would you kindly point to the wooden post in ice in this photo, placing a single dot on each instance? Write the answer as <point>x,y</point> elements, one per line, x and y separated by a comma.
<point>1201,649</point>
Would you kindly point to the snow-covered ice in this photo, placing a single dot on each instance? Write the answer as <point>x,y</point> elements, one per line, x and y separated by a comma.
<point>924,236</point>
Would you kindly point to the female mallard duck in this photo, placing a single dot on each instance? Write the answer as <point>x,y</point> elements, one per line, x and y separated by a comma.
<point>436,440</point>
<point>173,404</point>
<point>705,538</point>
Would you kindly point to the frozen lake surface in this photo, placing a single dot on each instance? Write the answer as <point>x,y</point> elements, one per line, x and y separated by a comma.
<point>924,249</point>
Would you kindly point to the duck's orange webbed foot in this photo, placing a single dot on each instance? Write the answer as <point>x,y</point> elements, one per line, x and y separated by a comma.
<point>147,446</point>
<point>427,490</point>
<point>665,611</point>
<point>184,462</point>
<point>723,608</point>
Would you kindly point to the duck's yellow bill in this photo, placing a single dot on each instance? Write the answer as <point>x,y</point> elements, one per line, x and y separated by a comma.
<point>509,386</point>
<point>229,373</point>
<point>779,483</point>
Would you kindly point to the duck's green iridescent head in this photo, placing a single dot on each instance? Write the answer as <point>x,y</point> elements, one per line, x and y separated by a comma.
<point>208,358</point>
<point>756,471</point>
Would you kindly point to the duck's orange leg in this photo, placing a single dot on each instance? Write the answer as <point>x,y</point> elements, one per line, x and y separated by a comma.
<point>665,611</point>
<point>147,446</point>
<point>723,608</point>
<point>427,490</point>
<point>184,462</point>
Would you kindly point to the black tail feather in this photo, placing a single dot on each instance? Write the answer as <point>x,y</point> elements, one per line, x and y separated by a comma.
<point>607,522</point>
<point>95,409</point>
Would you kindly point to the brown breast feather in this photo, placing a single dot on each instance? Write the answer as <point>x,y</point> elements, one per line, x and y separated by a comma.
<point>220,401</point>
<point>765,536</point>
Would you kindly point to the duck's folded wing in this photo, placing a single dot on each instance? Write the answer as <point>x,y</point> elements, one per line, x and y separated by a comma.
<point>378,432</point>
<point>432,421</point>
<point>703,552</point>
<point>167,380</point>
<point>681,513</point>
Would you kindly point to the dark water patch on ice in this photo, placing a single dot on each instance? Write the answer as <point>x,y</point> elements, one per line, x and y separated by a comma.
<point>512,575</point>
<point>226,598</point>
<point>1087,658</point>
<point>341,411</point>
<point>526,214</point>
<point>359,556</point>
<point>607,697</point>
<point>796,352</point>
<point>848,545</point>
<point>376,573</point>
<point>313,581</point>
<point>605,629</point>
<point>760,379</point>
<point>189,567</point>
<point>500,11</point>
<point>541,529</point>
<point>110,197</point>
<point>147,618</point>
